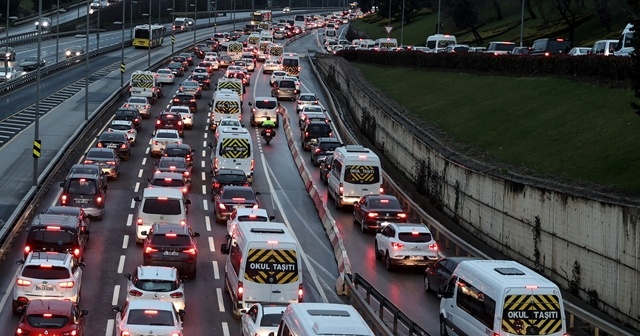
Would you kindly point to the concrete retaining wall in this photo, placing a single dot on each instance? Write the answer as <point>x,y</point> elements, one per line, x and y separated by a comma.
<point>590,245</point>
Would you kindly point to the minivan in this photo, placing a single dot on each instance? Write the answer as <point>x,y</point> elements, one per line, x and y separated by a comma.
<point>159,205</point>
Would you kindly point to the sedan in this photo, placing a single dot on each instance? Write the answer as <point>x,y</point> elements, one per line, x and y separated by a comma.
<point>127,128</point>
<point>161,138</point>
<point>185,99</point>
<point>191,86</point>
<point>260,320</point>
<point>438,274</point>
<point>165,76</point>
<point>270,66</point>
<point>73,51</point>
<point>156,283</point>
<point>106,158</point>
<point>371,211</point>
<point>116,141</point>
<point>233,197</point>
<point>155,317</point>
<point>176,69</point>
<point>31,63</point>
<point>63,316</point>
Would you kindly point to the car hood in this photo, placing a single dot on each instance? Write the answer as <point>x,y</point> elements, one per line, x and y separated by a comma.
<point>27,63</point>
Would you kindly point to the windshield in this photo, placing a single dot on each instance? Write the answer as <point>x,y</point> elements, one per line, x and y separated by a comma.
<point>150,317</point>
<point>290,62</point>
<point>190,84</point>
<point>503,47</point>
<point>112,137</point>
<point>125,113</point>
<point>384,204</point>
<point>137,100</point>
<point>287,84</point>
<point>176,151</point>
<point>100,154</point>
<point>231,178</point>
<point>307,98</point>
<point>45,273</point>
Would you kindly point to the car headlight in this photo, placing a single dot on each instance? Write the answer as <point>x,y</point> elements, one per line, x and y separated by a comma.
<point>68,53</point>
<point>8,54</point>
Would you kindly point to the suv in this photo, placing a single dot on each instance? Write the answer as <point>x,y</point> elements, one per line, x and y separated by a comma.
<point>171,245</point>
<point>547,47</point>
<point>284,89</point>
<point>234,197</point>
<point>170,120</point>
<point>57,233</point>
<point>47,276</point>
<point>263,107</point>
<point>312,131</point>
<point>405,244</point>
<point>226,177</point>
<point>116,141</point>
<point>439,273</point>
<point>185,99</point>
<point>156,283</point>
<point>129,113</point>
<point>106,159</point>
<point>500,48</point>
<point>86,191</point>
<point>191,86</point>
<point>63,316</point>
<point>322,149</point>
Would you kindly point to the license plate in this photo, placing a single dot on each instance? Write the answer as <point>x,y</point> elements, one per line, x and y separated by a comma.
<point>329,152</point>
<point>81,200</point>
<point>239,206</point>
<point>169,126</point>
<point>44,288</point>
<point>170,253</point>
<point>112,146</point>
<point>415,258</point>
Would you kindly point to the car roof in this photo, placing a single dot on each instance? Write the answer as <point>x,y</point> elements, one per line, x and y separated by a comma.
<point>162,228</point>
<point>64,210</point>
<point>54,307</point>
<point>232,188</point>
<point>51,258</point>
<point>55,220</point>
<point>182,146</point>
<point>410,227</point>
<point>157,273</point>
<point>328,139</point>
<point>96,149</point>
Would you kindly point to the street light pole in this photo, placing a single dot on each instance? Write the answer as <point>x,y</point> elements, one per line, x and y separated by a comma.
<point>215,16</point>
<point>57,27</point>
<point>389,20</point>
<point>6,40</point>
<point>36,134</point>
<point>195,19</point>
<point>150,37</point>
<point>122,65</point>
<point>438,28</point>
<point>98,35</point>
<point>234,13</point>
<point>173,19</point>
<point>86,66</point>
<point>402,26</point>
<point>522,24</point>
<point>131,16</point>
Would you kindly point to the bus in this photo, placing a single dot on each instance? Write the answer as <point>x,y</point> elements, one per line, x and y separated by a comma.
<point>145,37</point>
<point>624,46</point>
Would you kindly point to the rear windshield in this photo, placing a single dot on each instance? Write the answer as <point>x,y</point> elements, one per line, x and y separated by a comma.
<point>153,285</point>
<point>329,145</point>
<point>362,174</point>
<point>100,154</point>
<point>169,117</point>
<point>307,98</point>
<point>120,127</point>
<point>311,109</point>
<point>177,240</point>
<point>238,193</point>
<point>266,104</point>
<point>252,218</point>
<point>45,273</point>
<point>271,320</point>
<point>418,237</point>
<point>319,129</point>
<point>50,322</point>
<point>169,164</point>
<point>190,83</point>
<point>232,178</point>
<point>176,152</point>
<point>167,182</point>
<point>150,317</point>
<point>80,186</point>
<point>384,204</point>
<point>60,237</point>
<point>503,47</point>
<point>125,113</point>
<point>162,206</point>
<point>111,137</point>
<point>138,100</point>
<point>290,62</point>
<point>287,84</point>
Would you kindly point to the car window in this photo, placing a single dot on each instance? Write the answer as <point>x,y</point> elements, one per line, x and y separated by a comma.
<point>101,154</point>
<point>83,170</point>
<point>238,193</point>
<point>60,237</point>
<point>167,182</point>
<point>384,203</point>
<point>270,320</point>
<point>81,186</point>
<point>319,129</point>
<point>266,104</point>
<point>414,237</point>
<point>125,113</point>
<point>167,135</point>
<point>47,322</point>
<point>287,84</point>
<point>329,145</point>
<point>170,240</point>
<point>150,317</point>
<point>231,178</point>
<point>172,163</point>
<point>137,100</point>
<point>46,273</point>
<point>176,152</point>
<point>162,206</point>
<point>307,98</point>
<point>111,137</point>
<point>168,117</point>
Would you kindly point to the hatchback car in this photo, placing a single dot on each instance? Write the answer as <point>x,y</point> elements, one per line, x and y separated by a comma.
<point>270,66</point>
<point>156,283</point>
<point>185,99</point>
<point>116,141</point>
<point>439,273</point>
<point>180,150</point>
<point>169,164</point>
<point>227,177</point>
<point>403,244</point>
<point>323,148</point>
<point>234,197</point>
<point>188,57</point>
<point>262,319</point>
<point>183,61</point>
<point>176,69</point>
<point>203,79</point>
<point>170,120</point>
<point>165,76</point>
<point>161,139</point>
<point>284,89</point>
<point>87,191</point>
<point>171,245</point>
<point>306,99</point>
<point>57,233</point>
<point>42,317</point>
<point>170,180</point>
<point>89,169</point>
<point>191,86</point>
<point>8,54</point>
<point>106,158</point>
<point>311,112</point>
<point>374,211</point>
<point>129,114</point>
<point>125,127</point>
<point>151,317</point>
<point>314,130</point>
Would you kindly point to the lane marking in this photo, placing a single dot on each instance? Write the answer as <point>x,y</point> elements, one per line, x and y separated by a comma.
<point>121,264</point>
<point>125,242</point>
<point>225,329</point>
<point>204,176</point>
<point>204,189</point>
<point>216,272</point>
<point>212,246</point>
<point>133,203</point>
<point>129,219</point>
<point>220,301</point>
<point>137,187</point>
<point>116,295</point>
<point>110,325</point>
<point>202,165</point>
<point>205,144</point>
<point>144,161</point>
<point>148,148</point>
<point>207,223</point>
<point>204,153</point>
<point>205,205</point>
<point>140,172</point>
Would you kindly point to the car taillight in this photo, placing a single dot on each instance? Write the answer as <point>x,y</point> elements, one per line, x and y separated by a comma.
<point>150,249</point>
<point>252,164</point>
<point>76,252</point>
<point>67,284</point>
<point>139,221</point>
<point>125,333</point>
<point>185,190</point>
<point>215,164</point>
<point>340,189</point>
<point>99,145</point>
<point>63,199</point>
<point>381,190</point>
<point>20,331</point>
<point>135,293</point>
<point>113,163</point>
<point>402,215</point>
<point>191,251</point>
<point>123,146</point>
<point>317,150</point>
<point>186,174</point>
<point>158,122</point>
<point>179,123</point>
<point>176,295</point>
<point>192,100</point>
<point>372,215</point>
<point>240,291</point>
<point>300,293</point>
<point>88,161</point>
<point>433,247</point>
<point>221,206</point>
<point>27,249</point>
<point>397,245</point>
<point>23,282</point>
<point>136,120</point>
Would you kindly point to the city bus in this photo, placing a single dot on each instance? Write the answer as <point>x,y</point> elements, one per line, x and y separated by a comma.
<point>143,37</point>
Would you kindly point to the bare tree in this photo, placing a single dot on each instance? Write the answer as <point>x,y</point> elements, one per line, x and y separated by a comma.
<point>568,14</point>
<point>527,6</point>
<point>465,15</point>
<point>496,6</point>
<point>634,13</point>
<point>603,13</point>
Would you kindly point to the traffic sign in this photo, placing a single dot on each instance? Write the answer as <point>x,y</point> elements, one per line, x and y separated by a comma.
<point>37,147</point>
<point>123,68</point>
<point>388,29</point>
<point>173,39</point>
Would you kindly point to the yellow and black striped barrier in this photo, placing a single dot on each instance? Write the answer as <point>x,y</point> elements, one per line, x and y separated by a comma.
<point>37,148</point>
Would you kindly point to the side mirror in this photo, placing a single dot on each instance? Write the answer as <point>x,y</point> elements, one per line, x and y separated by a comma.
<point>137,199</point>
<point>224,249</point>
<point>196,234</point>
<point>127,276</point>
<point>181,312</point>
<point>271,218</point>
<point>82,264</point>
<point>257,193</point>
<point>62,184</point>
<point>143,233</point>
<point>84,312</point>
<point>250,104</point>
<point>116,309</point>
<point>20,262</point>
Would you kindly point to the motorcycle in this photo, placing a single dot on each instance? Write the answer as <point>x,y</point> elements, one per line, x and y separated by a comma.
<point>268,134</point>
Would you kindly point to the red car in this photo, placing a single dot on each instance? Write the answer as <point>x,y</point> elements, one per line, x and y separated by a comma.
<point>170,120</point>
<point>55,317</point>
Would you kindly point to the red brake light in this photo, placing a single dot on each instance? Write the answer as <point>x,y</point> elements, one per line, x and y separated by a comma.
<point>151,312</point>
<point>176,295</point>
<point>372,215</point>
<point>149,250</point>
<point>433,247</point>
<point>135,293</point>
<point>99,145</point>
<point>240,292</point>
<point>22,282</point>
<point>139,222</point>
<point>300,293</point>
<point>397,245</point>
<point>317,150</point>
<point>158,122</point>
<point>27,249</point>
<point>173,235</point>
<point>76,252</point>
<point>67,284</point>
<point>402,215</point>
<point>111,163</point>
<point>191,251</point>
<point>53,228</point>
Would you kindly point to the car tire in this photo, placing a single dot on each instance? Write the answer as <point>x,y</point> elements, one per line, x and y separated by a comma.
<point>427,285</point>
<point>387,262</point>
<point>443,327</point>
<point>337,203</point>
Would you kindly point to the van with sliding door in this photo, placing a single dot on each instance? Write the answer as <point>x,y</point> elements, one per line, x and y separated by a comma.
<point>233,149</point>
<point>439,42</point>
<point>356,172</point>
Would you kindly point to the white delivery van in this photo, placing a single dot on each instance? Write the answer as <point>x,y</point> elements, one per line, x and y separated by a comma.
<point>264,265</point>
<point>356,171</point>
<point>159,205</point>
<point>233,150</point>
<point>438,42</point>
<point>604,47</point>
<point>327,319</point>
<point>387,43</point>
<point>501,298</point>
<point>226,104</point>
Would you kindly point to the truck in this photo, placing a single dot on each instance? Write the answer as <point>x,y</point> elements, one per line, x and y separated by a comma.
<point>144,84</point>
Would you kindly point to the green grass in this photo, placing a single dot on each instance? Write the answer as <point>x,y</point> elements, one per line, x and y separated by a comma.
<point>553,126</point>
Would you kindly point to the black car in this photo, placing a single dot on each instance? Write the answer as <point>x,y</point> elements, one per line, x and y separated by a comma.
<point>325,168</point>
<point>182,60</point>
<point>439,273</point>
<point>180,151</point>
<point>57,233</point>
<point>227,177</point>
<point>550,46</point>
<point>188,57</point>
<point>170,120</point>
<point>176,68</point>
<point>116,141</point>
<point>170,164</point>
<point>131,114</point>
<point>69,211</point>
<point>106,158</point>
<point>7,53</point>
<point>86,191</point>
<point>88,169</point>
<point>200,49</point>
<point>31,63</point>
<point>323,148</point>
<point>233,197</point>
<point>314,130</point>
<point>171,245</point>
<point>373,210</point>
<point>203,79</point>
<point>185,99</point>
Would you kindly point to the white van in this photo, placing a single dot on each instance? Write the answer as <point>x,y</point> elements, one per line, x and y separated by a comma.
<point>438,42</point>
<point>387,42</point>
<point>624,46</point>
<point>356,171</point>
<point>330,33</point>
<point>233,149</point>
<point>226,104</point>
<point>159,205</point>
<point>604,47</point>
<point>327,319</point>
<point>500,297</point>
<point>264,265</point>
<point>263,107</point>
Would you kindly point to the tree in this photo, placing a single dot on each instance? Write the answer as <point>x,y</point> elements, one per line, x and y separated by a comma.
<point>568,14</point>
<point>496,6</point>
<point>603,13</point>
<point>527,6</point>
<point>634,18</point>
<point>465,15</point>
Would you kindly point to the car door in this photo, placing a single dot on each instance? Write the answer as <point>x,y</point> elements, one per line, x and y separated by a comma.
<point>248,323</point>
<point>383,239</point>
<point>442,273</point>
<point>357,209</point>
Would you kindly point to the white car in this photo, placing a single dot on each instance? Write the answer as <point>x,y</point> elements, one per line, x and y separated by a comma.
<point>161,138</point>
<point>579,51</point>
<point>260,320</point>
<point>185,113</point>
<point>165,76</point>
<point>405,244</point>
<point>200,70</point>
<point>247,215</point>
<point>215,63</point>
<point>156,283</point>
<point>230,122</point>
<point>250,65</point>
<point>306,99</point>
<point>47,276</point>
<point>148,317</point>
<point>126,127</point>
<point>210,54</point>
<point>311,112</point>
<point>141,104</point>
<point>295,80</point>
<point>8,73</point>
<point>270,66</point>
<point>276,76</point>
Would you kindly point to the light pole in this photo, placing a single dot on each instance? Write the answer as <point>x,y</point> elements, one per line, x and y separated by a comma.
<point>150,31</point>
<point>438,28</point>
<point>131,16</point>
<point>6,41</point>
<point>86,66</point>
<point>36,134</point>
<point>58,11</point>
<point>389,20</point>
<point>122,65</point>
<point>195,18</point>
<point>402,26</point>
<point>233,3</point>
<point>522,24</point>
<point>173,19</point>
<point>215,16</point>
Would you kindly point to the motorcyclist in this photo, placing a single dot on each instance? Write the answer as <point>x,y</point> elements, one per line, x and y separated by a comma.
<point>268,124</point>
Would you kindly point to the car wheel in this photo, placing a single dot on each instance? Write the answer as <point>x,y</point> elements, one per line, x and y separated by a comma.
<point>427,286</point>
<point>336,202</point>
<point>443,327</point>
<point>376,252</point>
<point>387,262</point>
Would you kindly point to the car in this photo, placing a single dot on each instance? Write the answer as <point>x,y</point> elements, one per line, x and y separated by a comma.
<point>279,34</point>
<point>141,103</point>
<point>250,63</point>
<point>284,89</point>
<point>185,114</point>
<point>31,63</point>
<point>200,69</point>
<point>95,5</point>
<point>227,177</point>
<point>172,245</point>
<point>296,80</point>
<point>116,141</point>
<point>174,164</point>
<point>188,57</point>
<point>230,122</point>
<point>180,150</point>
<point>306,99</point>
<point>232,70</point>
<point>176,68</point>
<point>200,49</point>
<point>224,61</point>
<point>246,80</point>
<point>464,48</point>
<point>439,273</point>
<point>579,51</point>
<point>325,169</point>
<point>41,316</point>
<point>47,276</point>
<point>191,86</point>
<point>9,54</point>
<point>8,73</point>
<point>152,317</point>
<point>88,169</point>
<point>170,180</point>
<point>405,244</point>
<point>310,113</point>
<point>161,139</point>
<point>69,211</point>
<point>312,131</point>
<point>129,113</point>
<point>170,120</point>
<point>44,24</point>
<point>286,10</point>
<point>550,46</point>
<point>183,61</point>
<point>156,283</point>
<point>520,51</point>
<point>276,76</point>
<point>185,99</point>
<point>165,76</point>
<point>270,66</point>
<point>247,215</point>
<point>57,233</point>
<point>322,149</point>
<point>125,127</point>
<point>234,197</point>
<point>374,211</point>
<point>262,319</point>
<point>203,79</point>
<point>87,191</point>
<point>73,51</point>
<point>106,158</point>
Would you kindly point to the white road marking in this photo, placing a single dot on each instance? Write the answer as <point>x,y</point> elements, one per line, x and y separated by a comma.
<point>140,173</point>
<point>206,135</point>
<point>225,329</point>
<point>133,203</point>
<point>204,176</point>
<point>116,295</point>
<point>205,205</point>
<point>216,272</point>
<point>148,148</point>
<point>125,241</point>
<point>204,189</point>
<point>8,292</point>
<point>202,164</point>
<point>130,218</point>
<point>144,161</point>
<point>137,187</point>
<point>204,153</point>
<point>205,144</point>
<point>207,223</point>
<point>110,325</point>
<point>220,301</point>
<point>121,263</point>
<point>212,246</point>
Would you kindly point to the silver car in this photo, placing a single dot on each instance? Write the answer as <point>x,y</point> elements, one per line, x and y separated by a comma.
<point>141,103</point>
<point>106,158</point>
<point>8,73</point>
<point>161,138</point>
<point>285,89</point>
